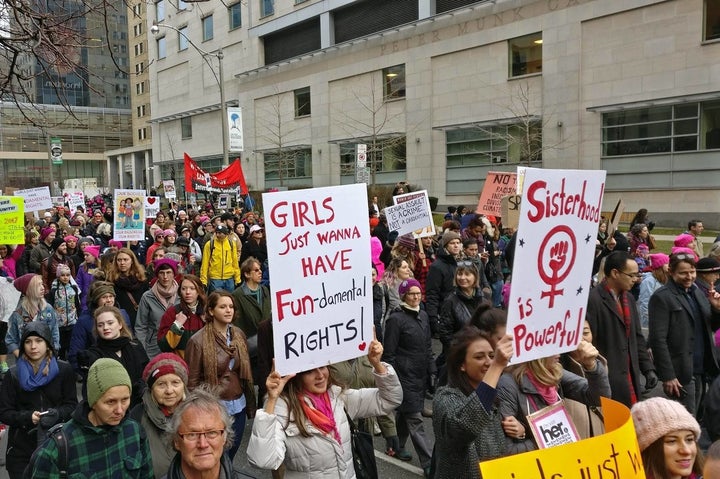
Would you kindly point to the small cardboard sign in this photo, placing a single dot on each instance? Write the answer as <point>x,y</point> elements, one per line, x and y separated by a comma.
<point>498,184</point>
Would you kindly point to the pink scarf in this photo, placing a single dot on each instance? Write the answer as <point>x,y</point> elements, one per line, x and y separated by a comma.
<point>548,393</point>
<point>320,413</point>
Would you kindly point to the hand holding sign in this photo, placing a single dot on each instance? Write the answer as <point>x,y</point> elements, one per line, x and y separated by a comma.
<point>275,385</point>
<point>504,351</point>
<point>375,354</point>
<point>588,355</point>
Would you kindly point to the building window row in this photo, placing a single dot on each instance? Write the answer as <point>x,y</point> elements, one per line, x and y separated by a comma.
<point>480,146</point>
<point>662,129</point>
<point>384,155</point>
<point>287,164</point>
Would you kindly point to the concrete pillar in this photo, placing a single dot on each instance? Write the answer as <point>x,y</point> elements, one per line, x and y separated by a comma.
<point>327,30</point>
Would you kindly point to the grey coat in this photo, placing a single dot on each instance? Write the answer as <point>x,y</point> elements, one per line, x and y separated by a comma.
<point>465,434</point>
<point>150,312</point>
<point>519,400</point>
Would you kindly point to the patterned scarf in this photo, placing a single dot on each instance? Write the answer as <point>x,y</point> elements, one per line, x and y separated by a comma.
<point>236,349</point>
<point>623,309</point>
<point>318,410</point>
<point>166,296</point>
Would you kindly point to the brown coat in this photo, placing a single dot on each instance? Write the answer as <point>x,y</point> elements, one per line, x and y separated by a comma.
<point>230,381</point>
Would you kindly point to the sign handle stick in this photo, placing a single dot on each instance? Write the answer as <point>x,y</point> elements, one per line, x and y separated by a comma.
<point>420,247</point>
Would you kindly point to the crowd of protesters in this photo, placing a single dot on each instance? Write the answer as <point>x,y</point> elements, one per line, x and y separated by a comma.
<point>171,340</point>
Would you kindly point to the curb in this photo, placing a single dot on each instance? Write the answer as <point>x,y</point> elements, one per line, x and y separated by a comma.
<point>398,463</point>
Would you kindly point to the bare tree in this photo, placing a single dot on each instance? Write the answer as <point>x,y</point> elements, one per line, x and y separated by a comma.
<point>372,123</point>
<point>522,130</point>
<point>278,132</point>
<point>45,41</point>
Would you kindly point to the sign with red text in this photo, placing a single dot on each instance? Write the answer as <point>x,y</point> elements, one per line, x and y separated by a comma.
<point>498,184</point>
<point>318,243</point>
<point>411,214</point>
<point>74,199</point>
<point>555,248</point>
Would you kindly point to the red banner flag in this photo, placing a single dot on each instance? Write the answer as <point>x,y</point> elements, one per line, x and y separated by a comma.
<point>224,181</point>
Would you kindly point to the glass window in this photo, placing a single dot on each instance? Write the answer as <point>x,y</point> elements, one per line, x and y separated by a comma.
<point>712,20</point>
<point>525,55</point>
<point>267,7</point>
<point>660,129</point>
<point>207,28</point>
<point>161,47</point>
<point>288,164</point>
<point>235,15</point>
<point>479,146</point>
<point>302,102</point>
<point>384,155</point>
<point>182,38</point>
<point>394,82</point>
<point>186,127</point>
<point>160,10</point>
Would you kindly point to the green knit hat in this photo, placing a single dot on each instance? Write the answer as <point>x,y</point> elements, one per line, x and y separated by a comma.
<point>104,374</point>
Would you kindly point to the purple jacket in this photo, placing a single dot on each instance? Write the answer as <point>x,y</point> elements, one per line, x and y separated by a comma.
<point>84,279</point>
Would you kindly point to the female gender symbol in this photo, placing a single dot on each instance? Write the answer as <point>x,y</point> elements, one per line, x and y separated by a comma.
<point>558,259</point>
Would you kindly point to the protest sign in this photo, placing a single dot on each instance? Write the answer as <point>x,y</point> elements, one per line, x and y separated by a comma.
<point>318,242</point>
<point>614,454</point>
<point>74,199</point>
<point>36,199</point>
<point>223,201</point>
<point>12,220</point>
<point>169,189</point>
<point>152,206</point>
<point>555,248</point>
<point>411,214</point>
<point>510,210</point>
<point>615,218</point>
<point>498,184</point>
<point>129,215</point>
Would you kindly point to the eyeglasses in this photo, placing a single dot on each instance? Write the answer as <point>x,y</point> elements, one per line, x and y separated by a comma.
<point>195,436</point>
<point>413,294</point>
<point>466,263</point>
<point>683,256</point>
<point>630,275</point>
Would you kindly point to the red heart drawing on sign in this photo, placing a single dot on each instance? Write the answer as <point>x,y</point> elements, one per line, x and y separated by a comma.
<point>362,346</point>
<point>151,200</point>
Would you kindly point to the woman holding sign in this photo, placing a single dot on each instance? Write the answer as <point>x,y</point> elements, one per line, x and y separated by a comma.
<point>305,420</point>
<point>468,426</point>
<point>532,386</point>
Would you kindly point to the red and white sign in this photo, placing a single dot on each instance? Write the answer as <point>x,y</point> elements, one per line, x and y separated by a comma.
<point>319,242</point>
<point>555,248</point>
<point>498,185</point>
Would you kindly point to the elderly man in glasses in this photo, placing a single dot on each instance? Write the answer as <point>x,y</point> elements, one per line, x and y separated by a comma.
<point>615,323</point>
<point>201,432</point>
<point>682,322</point>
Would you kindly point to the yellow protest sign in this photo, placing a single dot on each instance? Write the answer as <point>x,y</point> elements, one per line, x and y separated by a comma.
<point>12,220</point>
<point>612,455</point>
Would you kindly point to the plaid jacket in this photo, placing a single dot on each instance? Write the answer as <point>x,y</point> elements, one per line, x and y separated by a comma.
<point>120,451</point>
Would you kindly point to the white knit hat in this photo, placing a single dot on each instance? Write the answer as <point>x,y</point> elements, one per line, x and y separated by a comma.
<point>656,417</point>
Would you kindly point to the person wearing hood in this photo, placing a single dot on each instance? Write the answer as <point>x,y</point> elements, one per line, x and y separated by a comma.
<point>42,250</point>
<point>37,393</point>
<point>65,298</point>
<point>166,377</point>
<point>153,304</point>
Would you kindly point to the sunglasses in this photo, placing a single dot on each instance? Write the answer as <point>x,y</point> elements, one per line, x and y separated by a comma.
<point>683,257</point>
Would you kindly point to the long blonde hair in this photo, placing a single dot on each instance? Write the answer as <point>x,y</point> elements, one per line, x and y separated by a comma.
<point>31,302</point>
<point>549,376</point>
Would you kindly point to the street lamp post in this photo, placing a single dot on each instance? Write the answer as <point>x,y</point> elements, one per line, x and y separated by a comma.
<point>155,29</point>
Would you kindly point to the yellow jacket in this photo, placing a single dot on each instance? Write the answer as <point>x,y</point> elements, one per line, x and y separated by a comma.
<point>221,263</point>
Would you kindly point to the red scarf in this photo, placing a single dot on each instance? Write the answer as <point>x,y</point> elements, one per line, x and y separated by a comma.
<point>548,393</point>
<point>320,412</point>
<point>623,309</point>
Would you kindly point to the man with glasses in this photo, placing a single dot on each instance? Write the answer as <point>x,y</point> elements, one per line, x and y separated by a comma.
<point>682,322</point>
<point>99,439</point>
<point>201,432</point>
<point>615,323</point>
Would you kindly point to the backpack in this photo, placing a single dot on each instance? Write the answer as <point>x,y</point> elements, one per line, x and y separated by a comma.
<point>57,434</point>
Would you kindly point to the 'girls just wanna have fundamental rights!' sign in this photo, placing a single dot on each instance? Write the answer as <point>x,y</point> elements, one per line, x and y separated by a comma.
<point>318,243</point>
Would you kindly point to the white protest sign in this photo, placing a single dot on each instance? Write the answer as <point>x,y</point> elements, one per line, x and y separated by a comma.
<point>169,189</point>
<point>559,216</point>
<point>152,206</point>
<point>129,217</point>
<point>36,199</point>
<point>318,241</point>
<point>75,199</point>
<point>411,214</point>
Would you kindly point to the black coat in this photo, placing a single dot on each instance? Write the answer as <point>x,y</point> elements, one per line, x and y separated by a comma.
<point>439,283</point>
<point>623,354</point>
<point>455,313</point>
<point>672,333</point>
<point>408,349</point>
<point>18,405</point>
<point>133,358</point>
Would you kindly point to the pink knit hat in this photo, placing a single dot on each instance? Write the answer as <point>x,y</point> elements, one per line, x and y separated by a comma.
<point>684,240</point>
<point>658,260</point>
<point>656,417</point>
<point>45,233</point>
<point>116,244</point>
<point>93,250</point>
<point>683,250</point>
<point>406,285</point>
